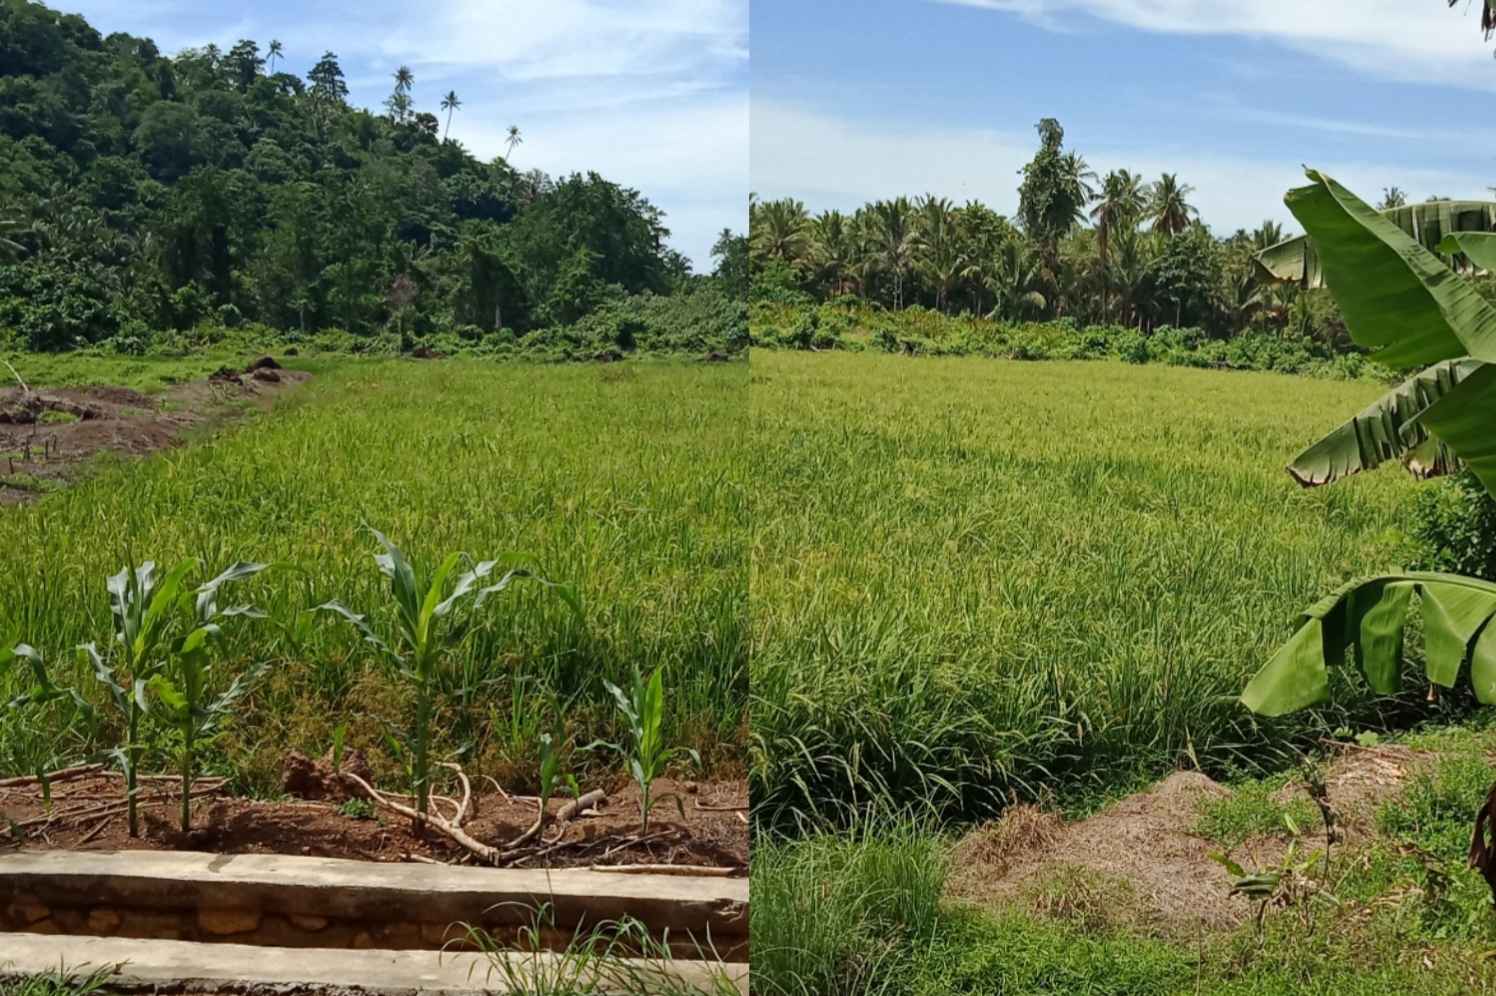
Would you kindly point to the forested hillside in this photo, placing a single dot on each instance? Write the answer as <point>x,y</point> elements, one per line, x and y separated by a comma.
<point>143,192</point>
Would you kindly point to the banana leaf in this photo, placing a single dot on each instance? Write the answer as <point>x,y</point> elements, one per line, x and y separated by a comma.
<point>1296,260</point>
<point>1389,428</point>
<point>1478,247</point>
<point>1399,299</point>
<point>1365,621</point>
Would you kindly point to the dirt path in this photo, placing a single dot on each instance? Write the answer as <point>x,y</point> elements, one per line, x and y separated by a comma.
<point>48,436</point>
<point>708,828</point>
<point>1145,846</point>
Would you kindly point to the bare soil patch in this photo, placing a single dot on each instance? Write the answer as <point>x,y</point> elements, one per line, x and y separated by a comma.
<point>708,829</point>
<point>47,436</point>
<point>1146,845</point>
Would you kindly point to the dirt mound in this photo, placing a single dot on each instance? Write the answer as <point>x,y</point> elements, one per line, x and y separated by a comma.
<point>1146,845</point>
<point>263,363</point>
<point>304,778</point>
<point>47,436</point>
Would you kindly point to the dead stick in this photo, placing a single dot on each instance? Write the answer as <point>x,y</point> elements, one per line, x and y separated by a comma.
<point>721,809</point>
<point>57,776</point>
<point>703,871</point>
<point>483,851</point>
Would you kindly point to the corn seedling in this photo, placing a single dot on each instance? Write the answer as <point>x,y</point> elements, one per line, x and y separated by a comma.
<point>161,630</point>
<point>643,709</point>
<point>426,629</point>
<point>43,691</point>
<point>552,777</point>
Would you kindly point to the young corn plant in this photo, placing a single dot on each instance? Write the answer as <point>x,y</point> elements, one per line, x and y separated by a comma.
<point>159,623</point>
<point>42,691</point>
<point>432,609</point>
<point>643,709</point>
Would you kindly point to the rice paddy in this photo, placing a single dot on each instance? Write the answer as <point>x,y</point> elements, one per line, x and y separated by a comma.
<point>627,482</point>
<point>982,580</point>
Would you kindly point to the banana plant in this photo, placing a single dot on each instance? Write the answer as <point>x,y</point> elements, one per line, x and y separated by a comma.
<point>643,709</point>
<point>431,609</point>
<point>156,619</point>
<point>1402,302</point>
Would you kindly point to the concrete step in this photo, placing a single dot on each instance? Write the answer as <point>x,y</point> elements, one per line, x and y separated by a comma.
<point>294,901</point>
<point>171,967</point>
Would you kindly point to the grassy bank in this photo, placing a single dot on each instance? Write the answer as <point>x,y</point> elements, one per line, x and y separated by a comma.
<point>1395,911</point>
<point>624,481</point>
<point>978,578</point>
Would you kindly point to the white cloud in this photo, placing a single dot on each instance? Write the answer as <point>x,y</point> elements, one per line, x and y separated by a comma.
<point>1401,39</point>
<point>831,162</point>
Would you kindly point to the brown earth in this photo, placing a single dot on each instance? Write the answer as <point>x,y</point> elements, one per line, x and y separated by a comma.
<point>708,828</point>
<point>1144,853</point>
<point>39,454</point>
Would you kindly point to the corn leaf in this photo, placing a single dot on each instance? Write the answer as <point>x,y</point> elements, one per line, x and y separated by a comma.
<point>1398,298</point>
<point>1371,616</point>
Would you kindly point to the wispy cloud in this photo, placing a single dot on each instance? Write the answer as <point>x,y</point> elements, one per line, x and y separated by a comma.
<point>1398,39</point>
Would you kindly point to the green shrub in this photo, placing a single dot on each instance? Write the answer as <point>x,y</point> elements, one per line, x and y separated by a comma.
<point>1454,524</point>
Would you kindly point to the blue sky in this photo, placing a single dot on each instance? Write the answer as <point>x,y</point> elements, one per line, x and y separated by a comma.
<point>870,99</point>
<point>650,93</point>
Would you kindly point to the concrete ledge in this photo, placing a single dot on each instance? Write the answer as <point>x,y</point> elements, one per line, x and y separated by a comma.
<point>398,906</point>
<point>173,967</point>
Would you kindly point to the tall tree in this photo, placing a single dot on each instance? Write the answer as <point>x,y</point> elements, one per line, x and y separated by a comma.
<point>274,53</point>
<point>1055,191</point>
<point>450,103</point>
<point>1121,205</point>
<point>894,239</point>
<point>1169,206</point>
<point>1392,197</point>
<point>513,138</point>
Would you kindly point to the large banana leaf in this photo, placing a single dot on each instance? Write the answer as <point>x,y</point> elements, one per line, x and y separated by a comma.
<point>1398,298</point>
<point>1368,618</point>
<point>1478,247</point>
<point>1389,428</point>
<point>1296,260</point>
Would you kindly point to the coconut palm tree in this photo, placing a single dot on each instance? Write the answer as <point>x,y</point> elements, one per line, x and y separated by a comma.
<point>833,249</point>
<point>514,138</point>
<point>1269,233</point>
<point>1123,201</point>
<point>404,79</point>
<point>1392,197</point>
<point>1014,276</point>
<point>780,230</point>
<point>895,239</point>
<point>938,252</point>
<point>276,51</point>
<point>450,103</point>
<point>1168,205</point>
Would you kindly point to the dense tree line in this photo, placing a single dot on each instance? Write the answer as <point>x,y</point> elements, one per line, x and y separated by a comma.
<point>141,191</point>
<point>1112,250</point>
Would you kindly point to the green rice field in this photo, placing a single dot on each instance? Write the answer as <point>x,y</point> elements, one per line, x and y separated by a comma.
<point>977,580</point>
<point>628,482</point>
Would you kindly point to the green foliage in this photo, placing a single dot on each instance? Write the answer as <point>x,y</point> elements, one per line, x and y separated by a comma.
<point>917,331</point>
<point>1454,523</point>
<point>647,753</point>
<point>1253,810</point>
<point>624,480</point>
<point>968,588</point>
<point>174,191</point>
<point>432,619</point>
<point>838,915</point>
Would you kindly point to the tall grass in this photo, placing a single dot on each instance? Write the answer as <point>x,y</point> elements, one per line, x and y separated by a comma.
<point>629,483</point>
<point>844,915</point>
<point>979,578</point>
